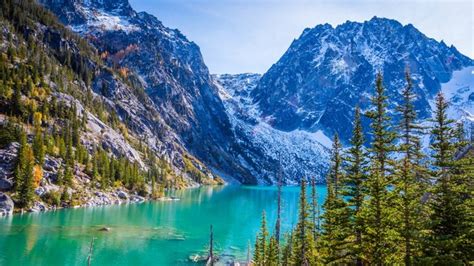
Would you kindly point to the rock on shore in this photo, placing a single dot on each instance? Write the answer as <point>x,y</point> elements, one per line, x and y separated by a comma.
<point>6,205</point>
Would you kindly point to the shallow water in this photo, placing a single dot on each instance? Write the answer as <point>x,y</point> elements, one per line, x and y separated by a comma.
<point>152,233</point>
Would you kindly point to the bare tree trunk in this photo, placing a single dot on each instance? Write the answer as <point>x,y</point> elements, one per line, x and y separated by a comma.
<point>278,221</point>
<point>210,259</point>
<point>91,250</point>
<point>314,208</point>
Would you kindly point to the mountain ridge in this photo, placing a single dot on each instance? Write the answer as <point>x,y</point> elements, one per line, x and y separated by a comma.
<point>337,65</point>
<point>311,90</point>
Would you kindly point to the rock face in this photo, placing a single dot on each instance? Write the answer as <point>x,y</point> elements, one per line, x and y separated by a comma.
<point>270,151</point>
<point>327,71</point>
<point>171,70</point>
<point>6,205</point>
<point>246,126</point>
<point>7,165</point>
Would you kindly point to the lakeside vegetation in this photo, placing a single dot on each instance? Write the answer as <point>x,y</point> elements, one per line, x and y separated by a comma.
<point>389,203</point>
<point>47,76</point>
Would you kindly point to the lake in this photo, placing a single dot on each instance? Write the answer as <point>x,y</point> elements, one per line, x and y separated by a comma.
<point>151,233</point>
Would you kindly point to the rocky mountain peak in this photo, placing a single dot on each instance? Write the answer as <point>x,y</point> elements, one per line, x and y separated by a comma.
<point>328,70</point>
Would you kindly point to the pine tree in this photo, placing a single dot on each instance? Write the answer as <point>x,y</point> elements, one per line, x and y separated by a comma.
<point>38,142</point>
<point>303,250</point>
<point>335,227</point>
<point>21,161</point>
<point>287,250</point>
<point>17,107</point>
<point>26,189</point>
<point>273,253</point>
<point>261,243</point>
<point>353,186</point>
<point>257,256</point>
<point>377,211</point>
<point>315,219</point>
<point>408,187</point>
<point>68,175</point>
<point>451,217</point>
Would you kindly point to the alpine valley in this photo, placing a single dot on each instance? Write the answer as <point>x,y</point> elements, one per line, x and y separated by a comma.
<point>144,98</point>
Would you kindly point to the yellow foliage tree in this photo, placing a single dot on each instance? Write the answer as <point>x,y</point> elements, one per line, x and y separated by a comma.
<point>37,118</point>
<point>37,175</point>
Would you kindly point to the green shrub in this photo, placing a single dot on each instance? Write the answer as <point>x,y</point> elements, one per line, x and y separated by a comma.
<point>52,197</point>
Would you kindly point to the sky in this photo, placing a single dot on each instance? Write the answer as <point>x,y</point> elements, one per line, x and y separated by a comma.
<point>249,36</point>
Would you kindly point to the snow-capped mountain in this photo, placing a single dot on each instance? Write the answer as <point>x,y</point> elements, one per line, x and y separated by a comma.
<point>175,78</point>
<point>327,71</point>
<point>311,92</point>
<point>169,67</point>
<point>244,126</point>
<point>299,153</point>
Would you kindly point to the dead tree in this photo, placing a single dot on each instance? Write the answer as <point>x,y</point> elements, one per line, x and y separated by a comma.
<point>314,208</point>
<point>91,250</point>
<point>210,259</point>
<point>278,221</point>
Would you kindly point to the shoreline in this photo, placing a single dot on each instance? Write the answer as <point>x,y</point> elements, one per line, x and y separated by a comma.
<point>112,199</point>
<point>86,206</point>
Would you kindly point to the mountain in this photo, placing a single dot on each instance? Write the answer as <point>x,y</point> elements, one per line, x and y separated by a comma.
<point>299,153</point>
<point>291,112</point>
<point>168,66</point>
<point>329,70</point>
<point>245,127</point>
<point>74,130</point>
<point>171,70</point>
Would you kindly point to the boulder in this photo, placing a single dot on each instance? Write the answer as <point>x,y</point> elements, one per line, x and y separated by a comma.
<point>40,191</point>
<point>38,207</point>
<point>6,184</point>
<point>51,164</point>
<point>6,205</point>
<point>51,167</point>
<point>122,194</point>
<point>7,165</point>
<point>136,198</point>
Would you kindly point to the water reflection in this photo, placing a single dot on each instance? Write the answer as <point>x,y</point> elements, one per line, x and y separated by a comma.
<point>157,233</point>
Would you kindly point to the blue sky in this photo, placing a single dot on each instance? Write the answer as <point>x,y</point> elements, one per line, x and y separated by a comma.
<point>249,36</point>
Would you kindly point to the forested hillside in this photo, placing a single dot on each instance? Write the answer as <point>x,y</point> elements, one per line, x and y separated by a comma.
<point>68,134</point>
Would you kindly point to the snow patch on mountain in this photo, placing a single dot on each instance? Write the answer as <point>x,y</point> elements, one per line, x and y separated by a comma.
<point>459,91</point>
<point>105,21</point>
<point>302,154</point>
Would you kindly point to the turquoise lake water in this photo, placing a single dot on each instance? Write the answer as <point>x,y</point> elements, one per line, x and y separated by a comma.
<point>152,233</point>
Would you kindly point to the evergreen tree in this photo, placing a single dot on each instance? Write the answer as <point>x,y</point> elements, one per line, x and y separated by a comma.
<point>68,175</point>
<point>18,107</point>
<point>261,243</point>
<point>336,228</point>
<point>21,161</point>
<point>273,253</point>
<point>315,219</point>
<point>38,148</point>
<point>303,250</point>
<point>257,256</point>
<point>26,190</point>
<point>287,250</point>
<point>353,187</point>
<point>451,217</point>
<point>408,187</point>
<point>379,245</point>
